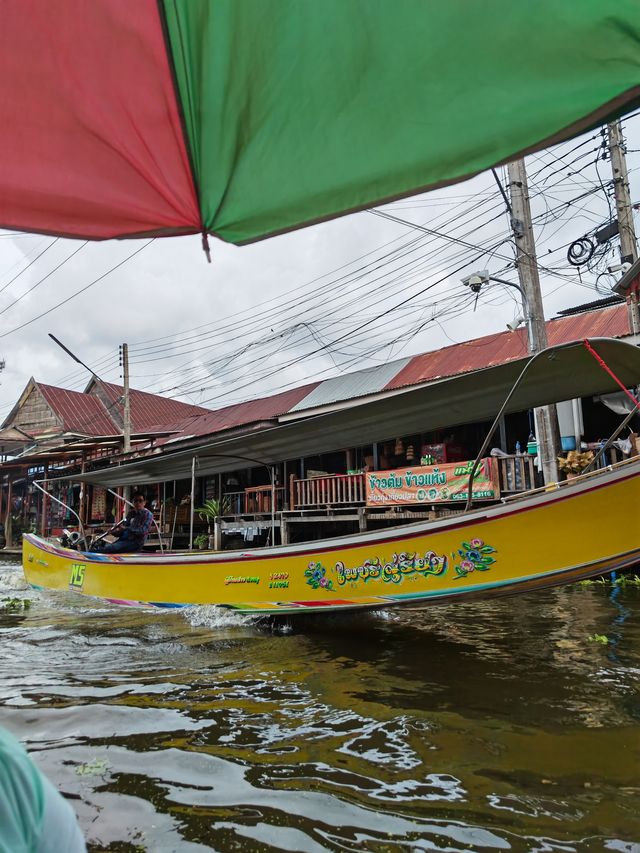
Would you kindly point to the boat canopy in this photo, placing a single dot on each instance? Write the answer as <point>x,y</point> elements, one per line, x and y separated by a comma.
<point>559,373</point>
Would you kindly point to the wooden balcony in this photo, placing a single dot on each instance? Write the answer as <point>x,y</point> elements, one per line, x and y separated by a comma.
<point>334,490</point>
<point>516,474</point>
<point>257,499</point>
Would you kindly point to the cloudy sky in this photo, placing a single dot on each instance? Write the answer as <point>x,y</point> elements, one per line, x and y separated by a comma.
<point>358,291</point>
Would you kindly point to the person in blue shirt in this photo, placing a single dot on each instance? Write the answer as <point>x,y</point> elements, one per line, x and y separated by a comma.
<point>133,530</point>
<point>34,816</point>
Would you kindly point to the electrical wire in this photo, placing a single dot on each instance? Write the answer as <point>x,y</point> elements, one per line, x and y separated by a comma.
<point>78,292</point>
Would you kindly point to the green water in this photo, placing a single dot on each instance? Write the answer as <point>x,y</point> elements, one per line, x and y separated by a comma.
<point>485,727</point>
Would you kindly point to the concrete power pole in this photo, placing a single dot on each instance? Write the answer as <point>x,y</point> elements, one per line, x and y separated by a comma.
<point>628,241</point>
<point>547,431</point>
<point>126,419</point>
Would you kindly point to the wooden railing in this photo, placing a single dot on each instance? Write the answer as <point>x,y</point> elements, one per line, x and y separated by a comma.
<point>516,474</point>
<point>257,499</point>
<point>332,490</point>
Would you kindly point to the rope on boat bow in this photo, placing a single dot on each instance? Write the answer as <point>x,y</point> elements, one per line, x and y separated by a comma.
<point>606,367</point>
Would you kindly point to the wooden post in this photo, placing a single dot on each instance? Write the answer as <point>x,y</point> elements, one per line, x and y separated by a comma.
<point>495,475</point>
<point>81,513</point>
<point>285,496</point>
<point>292,492</point>
<point>126,417</point>
<point>217,534</point>
<point>362,519</point>
<point>284,530</point>
<point>8,527</point>
<point>193,498</point>
<point>272,474</point>
<point>44,503</point>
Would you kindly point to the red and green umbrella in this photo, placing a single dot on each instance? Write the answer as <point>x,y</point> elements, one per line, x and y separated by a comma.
<point>245,118</point>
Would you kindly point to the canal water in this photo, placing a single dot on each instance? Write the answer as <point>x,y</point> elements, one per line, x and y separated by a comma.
<point>508,725</point>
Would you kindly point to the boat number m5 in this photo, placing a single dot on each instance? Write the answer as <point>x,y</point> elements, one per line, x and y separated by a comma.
<point>76,580</point>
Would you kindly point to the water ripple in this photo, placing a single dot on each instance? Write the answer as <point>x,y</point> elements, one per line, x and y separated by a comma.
<point>487,727</point>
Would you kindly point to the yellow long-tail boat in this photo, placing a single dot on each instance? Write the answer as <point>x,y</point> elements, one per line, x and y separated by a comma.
<point>554,535</point>
<point>551,537</point>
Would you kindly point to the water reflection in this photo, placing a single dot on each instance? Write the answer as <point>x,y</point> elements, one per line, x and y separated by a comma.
<point>488,726</point>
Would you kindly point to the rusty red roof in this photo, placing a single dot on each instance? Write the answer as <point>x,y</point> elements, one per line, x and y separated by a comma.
<point>243,414</point>
<point>150,412</point>
<point>503,347</point>
<point>86,414</point>
<point>78,413</point>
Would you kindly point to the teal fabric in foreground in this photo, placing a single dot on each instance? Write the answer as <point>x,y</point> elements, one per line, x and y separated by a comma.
<point>299,111</point>
<point>34,818</point>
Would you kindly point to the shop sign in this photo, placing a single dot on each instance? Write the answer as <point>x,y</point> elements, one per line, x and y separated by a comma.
<point>428,484</point>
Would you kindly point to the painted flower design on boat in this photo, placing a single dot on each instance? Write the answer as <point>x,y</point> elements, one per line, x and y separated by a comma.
<point>316,576</point>
<point>474,557</point>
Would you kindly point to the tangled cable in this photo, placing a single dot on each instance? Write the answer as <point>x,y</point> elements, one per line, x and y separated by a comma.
<point>581,251</point>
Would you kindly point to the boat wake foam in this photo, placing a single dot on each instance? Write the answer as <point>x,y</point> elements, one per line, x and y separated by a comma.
<point>13,580</point>
<point>214,616</point>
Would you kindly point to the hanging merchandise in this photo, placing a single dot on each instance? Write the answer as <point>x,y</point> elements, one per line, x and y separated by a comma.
<point>98,504</point>
<point>399,448</point>
<point>410,453</point>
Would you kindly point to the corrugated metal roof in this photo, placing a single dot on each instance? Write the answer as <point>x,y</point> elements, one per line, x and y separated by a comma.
<point>606,302</point>
<point>80,413</point>
<point>151,412</point>
<point>461,399</point>
<point>84,413</point>
<point>242,414</point>
<point>508,346</point>
<point>351,385</point>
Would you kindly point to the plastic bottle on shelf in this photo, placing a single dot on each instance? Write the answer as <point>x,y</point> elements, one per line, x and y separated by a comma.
<point>518,449</point>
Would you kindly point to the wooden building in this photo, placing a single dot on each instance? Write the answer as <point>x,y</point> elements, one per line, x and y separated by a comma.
<point>291,464</point>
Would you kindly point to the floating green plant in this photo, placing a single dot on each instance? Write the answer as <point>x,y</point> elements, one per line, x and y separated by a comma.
<point>97,767</point>
<point>628,581</point>
<point>13,604</point>
<point>623,580</point>
<point>599,638</point>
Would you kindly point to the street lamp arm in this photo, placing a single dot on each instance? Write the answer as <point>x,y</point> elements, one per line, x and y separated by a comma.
<point>510,284</point>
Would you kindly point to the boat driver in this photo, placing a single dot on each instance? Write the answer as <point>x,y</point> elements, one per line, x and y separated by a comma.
<point>133,530</point>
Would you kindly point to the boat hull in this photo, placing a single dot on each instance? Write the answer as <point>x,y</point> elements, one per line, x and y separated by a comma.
<point>553,537</point>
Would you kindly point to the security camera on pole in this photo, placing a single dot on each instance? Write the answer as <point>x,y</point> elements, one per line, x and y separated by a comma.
<point>547,431</point>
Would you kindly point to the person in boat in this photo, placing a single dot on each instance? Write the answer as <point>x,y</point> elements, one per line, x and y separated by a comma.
<point>133,530</point>
<point>34,816</point>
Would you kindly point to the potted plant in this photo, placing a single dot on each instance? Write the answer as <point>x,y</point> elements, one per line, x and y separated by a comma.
<point>201,541</point>
<point>211,510</point>
<point>574,463</point>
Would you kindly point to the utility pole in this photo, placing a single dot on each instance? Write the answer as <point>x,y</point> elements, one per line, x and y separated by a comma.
<point>547,431</point>
<point>628,241</point>
<point>126,419</point>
